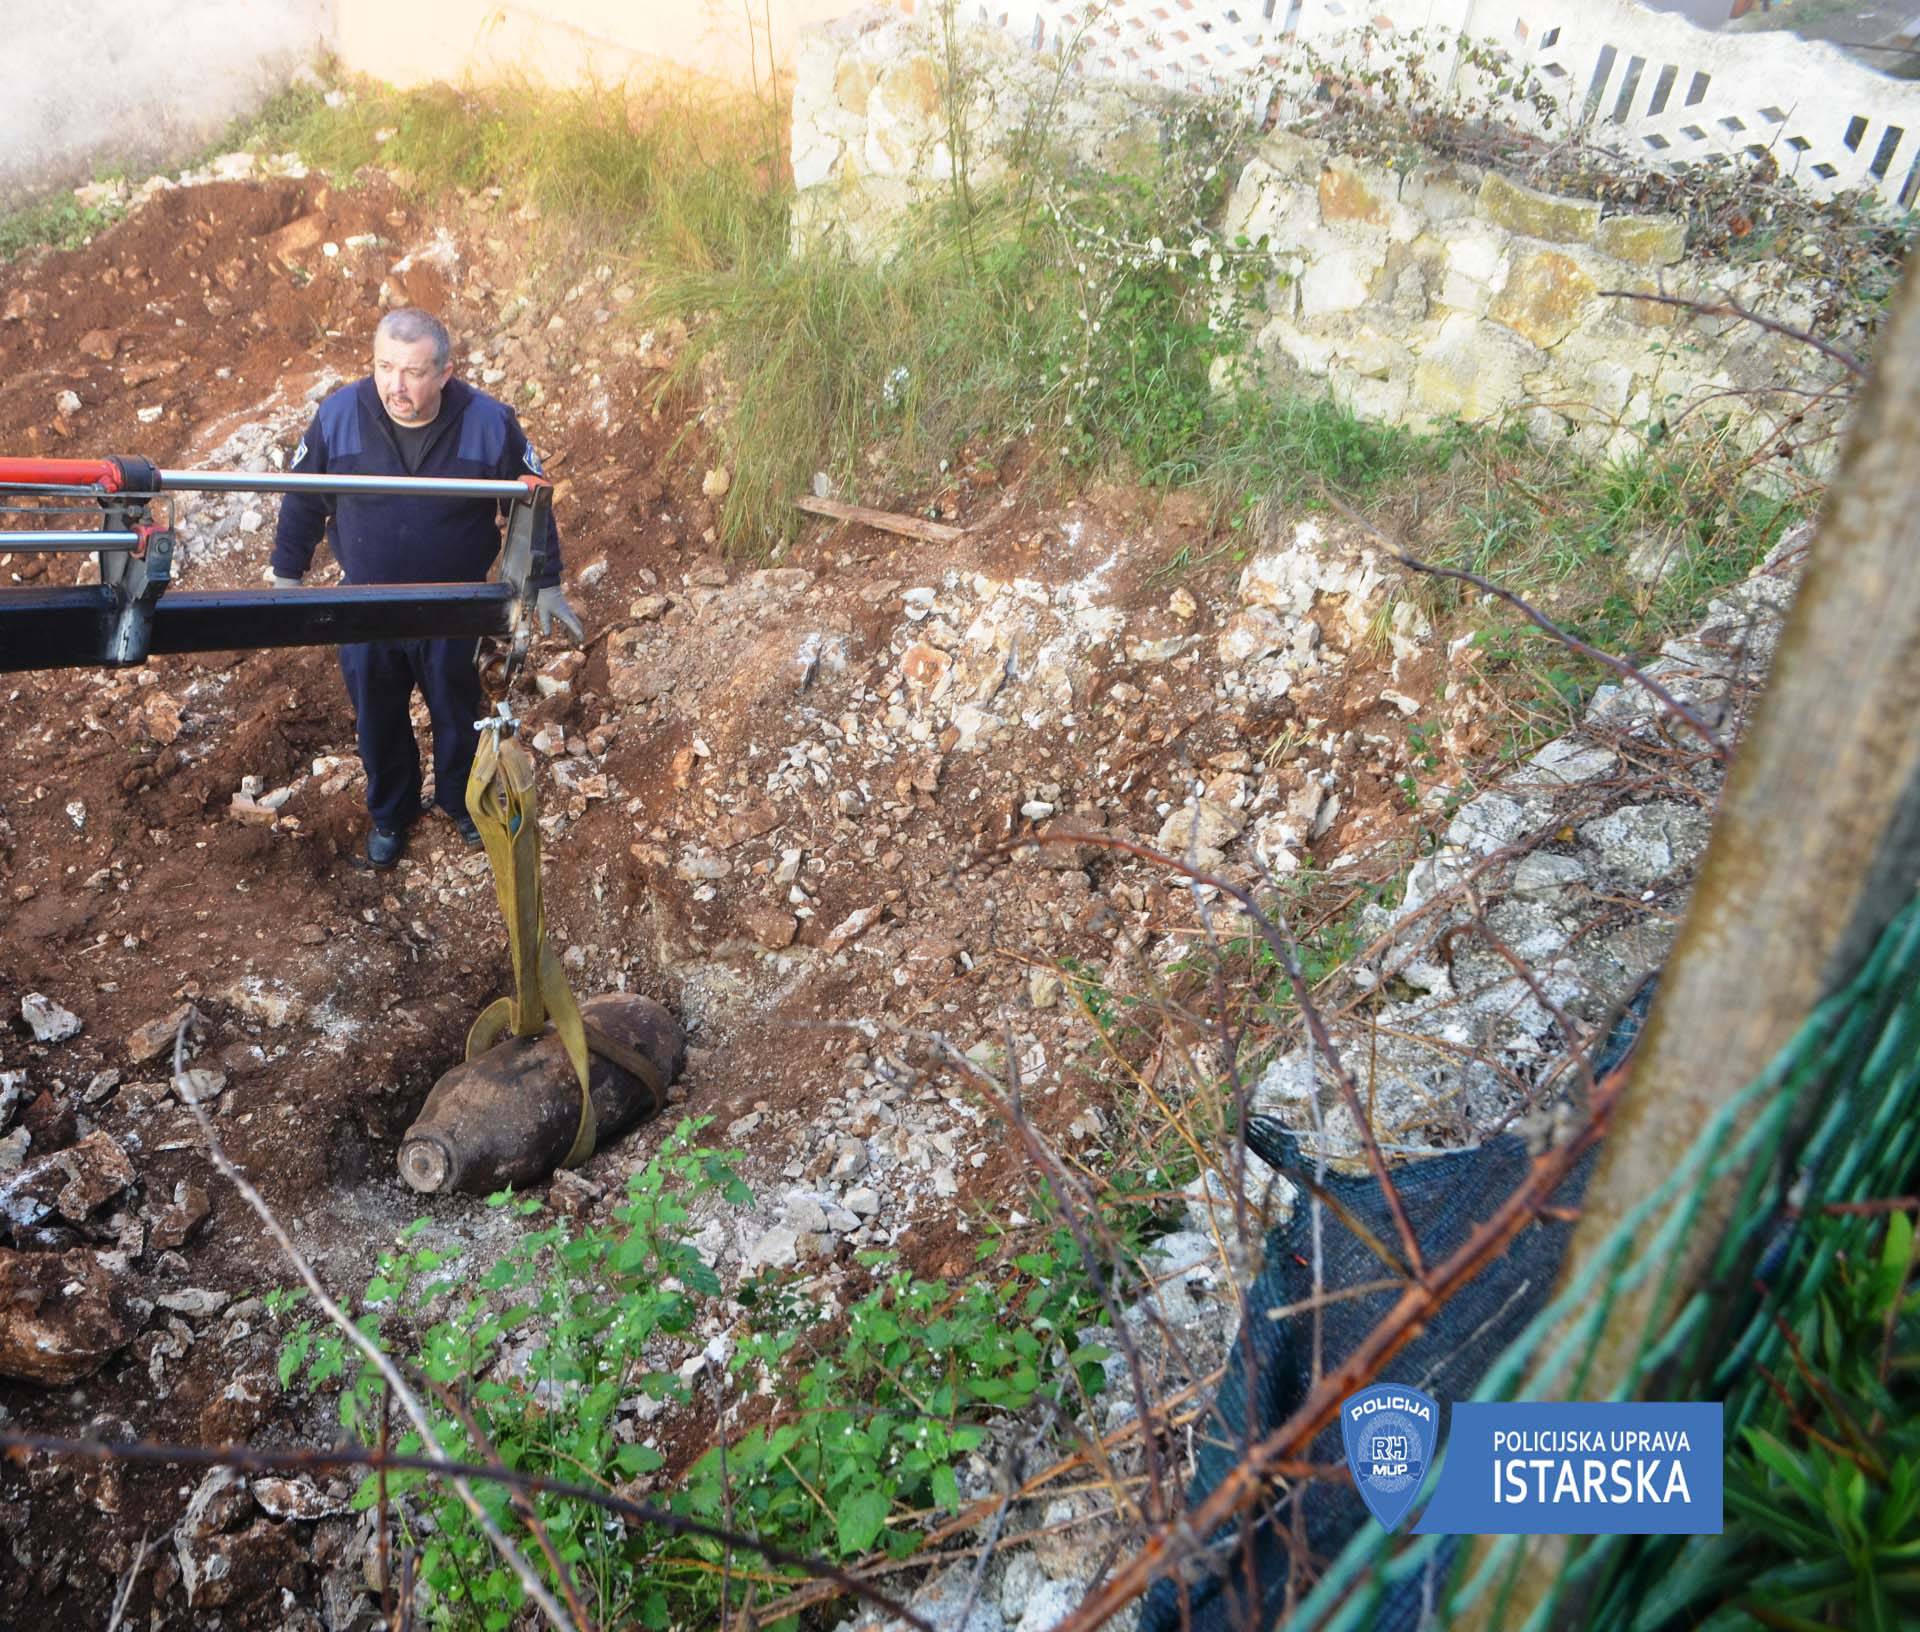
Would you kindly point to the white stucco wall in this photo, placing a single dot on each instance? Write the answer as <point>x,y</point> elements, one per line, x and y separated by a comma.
<point>87,85</point>
<point>574,42</point>
<point>92,84</point>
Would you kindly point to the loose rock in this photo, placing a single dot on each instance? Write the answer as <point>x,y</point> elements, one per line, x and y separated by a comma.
<point>851,928</point>
<point>295,1499</point>
<point>1203,825</point>
<point>199,1086</point>
<point>1052,1602</point>
<point>779,1248</point>
<point>62,1315</point>
<point>50,1023</point>
<point>174,1224</point>
<point>50,1122</point>
<point>264,1005</point>
<point>218,1501</point>
<point>156,1036</point>
<point>71,1182</point>
<point>224,1568</point>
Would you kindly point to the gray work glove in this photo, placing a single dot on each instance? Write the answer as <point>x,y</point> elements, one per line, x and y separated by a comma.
<point>551,603</point>
<point>281,581</point>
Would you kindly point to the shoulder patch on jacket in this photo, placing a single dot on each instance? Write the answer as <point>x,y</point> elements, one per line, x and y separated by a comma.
<point>339,422</point>
<point>483,431</point>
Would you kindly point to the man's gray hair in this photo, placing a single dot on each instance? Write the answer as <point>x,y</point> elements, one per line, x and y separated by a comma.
<point>409,324</point>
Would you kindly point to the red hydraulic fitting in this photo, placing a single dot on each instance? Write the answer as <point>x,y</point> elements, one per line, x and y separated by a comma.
<point>147,531</point>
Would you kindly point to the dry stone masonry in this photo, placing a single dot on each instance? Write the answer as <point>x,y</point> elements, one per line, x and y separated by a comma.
<point>1446,292</point>
<point>1413,293</point>
<point>872,136</point>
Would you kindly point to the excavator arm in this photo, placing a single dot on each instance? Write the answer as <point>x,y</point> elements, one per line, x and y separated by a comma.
<point>521,1102</point>
<point>118,507</point>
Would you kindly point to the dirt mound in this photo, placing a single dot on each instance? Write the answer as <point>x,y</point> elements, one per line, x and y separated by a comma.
<point>761,786</point>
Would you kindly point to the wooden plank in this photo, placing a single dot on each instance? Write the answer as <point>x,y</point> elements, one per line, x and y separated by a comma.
<point>1815,849</point>
<point>888,521</point>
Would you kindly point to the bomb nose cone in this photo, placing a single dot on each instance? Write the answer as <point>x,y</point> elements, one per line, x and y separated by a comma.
<point>426,1163</point>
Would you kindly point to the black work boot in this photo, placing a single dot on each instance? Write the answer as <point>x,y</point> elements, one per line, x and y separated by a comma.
<point>385,846</point>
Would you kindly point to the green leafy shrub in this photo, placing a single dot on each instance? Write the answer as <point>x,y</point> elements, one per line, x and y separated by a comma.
<point>882,1419</point>
<point>1823,1496</point>
<point>540,1349</point>
<point>871,1425</point>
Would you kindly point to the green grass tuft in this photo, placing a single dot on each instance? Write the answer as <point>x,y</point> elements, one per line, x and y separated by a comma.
<point>59,222</point>
<point>1027,316</point>
<point>694,175</point>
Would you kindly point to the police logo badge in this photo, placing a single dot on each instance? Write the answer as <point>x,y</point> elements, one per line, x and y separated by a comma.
<point>299,454</point>
<point>532,460</point>
<point>1391,1432</point>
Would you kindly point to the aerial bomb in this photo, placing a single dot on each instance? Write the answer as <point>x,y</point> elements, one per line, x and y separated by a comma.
<point>508,1116</point>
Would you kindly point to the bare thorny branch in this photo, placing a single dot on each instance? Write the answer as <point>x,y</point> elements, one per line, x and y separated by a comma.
<point>125,1594</point>
<point>1732,308</point>
<point>1281,945</point>
<point>434,1462</point>
<point>1628,672</point>
<point>253,1459</point>
<point>1082,1222</point>
<point>511,1555</point>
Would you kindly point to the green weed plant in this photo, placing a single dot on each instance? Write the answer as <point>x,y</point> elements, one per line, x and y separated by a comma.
<point>60,222</point>
<point>871,1426</point>
<point>1823,1494</point>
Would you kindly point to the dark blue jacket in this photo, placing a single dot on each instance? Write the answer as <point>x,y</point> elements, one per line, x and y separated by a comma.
<point>391,540</point>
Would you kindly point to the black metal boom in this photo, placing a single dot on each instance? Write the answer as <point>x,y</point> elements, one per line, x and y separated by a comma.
<point>129,616</point>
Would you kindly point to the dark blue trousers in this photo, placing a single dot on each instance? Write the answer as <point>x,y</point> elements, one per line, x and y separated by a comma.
<point>381,677</point>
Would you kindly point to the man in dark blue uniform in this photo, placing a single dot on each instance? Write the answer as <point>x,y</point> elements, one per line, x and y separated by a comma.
<point>410,417</point>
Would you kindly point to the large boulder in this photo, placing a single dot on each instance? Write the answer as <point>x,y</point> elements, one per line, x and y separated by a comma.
<point>63,1315</point>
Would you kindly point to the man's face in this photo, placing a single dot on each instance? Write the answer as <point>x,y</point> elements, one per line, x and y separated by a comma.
<point>408,383</point>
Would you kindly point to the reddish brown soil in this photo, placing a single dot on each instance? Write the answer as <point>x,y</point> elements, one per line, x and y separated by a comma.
<point>157,895</point>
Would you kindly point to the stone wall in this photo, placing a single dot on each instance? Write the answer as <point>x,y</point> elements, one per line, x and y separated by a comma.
<point>871,127</point>
<point>1443,291</point>
<point>108,84</point>
<point>1412,294</point>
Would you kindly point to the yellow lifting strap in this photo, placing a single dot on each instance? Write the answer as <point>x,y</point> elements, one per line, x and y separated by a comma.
<point>500,798</point>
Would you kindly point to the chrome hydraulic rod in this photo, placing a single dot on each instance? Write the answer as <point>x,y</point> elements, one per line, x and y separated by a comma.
<point>280,481</point>
<point>136,478</point>
<point>68,541</point>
